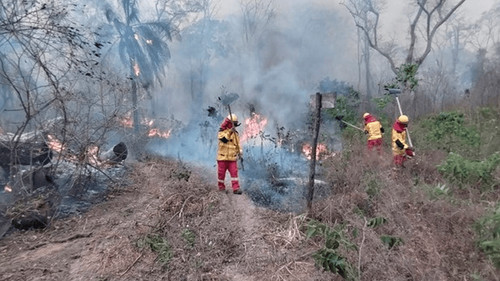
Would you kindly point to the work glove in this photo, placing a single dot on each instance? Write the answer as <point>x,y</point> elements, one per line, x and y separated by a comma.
<point>382,130</point>
<point>409,152</point>
<point>224,140</point>
<point>400,144</point>
<point>366,132</point>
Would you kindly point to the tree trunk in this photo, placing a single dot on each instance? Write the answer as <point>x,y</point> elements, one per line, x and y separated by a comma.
<point>135,106</point>
<point>312,166</point>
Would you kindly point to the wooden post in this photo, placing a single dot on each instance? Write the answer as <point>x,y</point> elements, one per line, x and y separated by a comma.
<point>312,165</point>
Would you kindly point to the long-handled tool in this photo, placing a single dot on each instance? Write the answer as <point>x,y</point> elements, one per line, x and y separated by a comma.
<point>395,92</point>
<point>227,99</point>
<point>348,124</point>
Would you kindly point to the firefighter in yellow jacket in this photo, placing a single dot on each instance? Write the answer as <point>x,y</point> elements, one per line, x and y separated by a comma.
<point>400,150</point>
<point>228,152</point>
<point>374,130</point>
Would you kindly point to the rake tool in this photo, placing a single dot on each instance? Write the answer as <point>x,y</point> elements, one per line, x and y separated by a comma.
<point>339,118</point>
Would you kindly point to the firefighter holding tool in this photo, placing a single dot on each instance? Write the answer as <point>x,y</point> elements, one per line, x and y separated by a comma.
<point>400,150</point>
<point>228,152</point>
<point>374,130</point>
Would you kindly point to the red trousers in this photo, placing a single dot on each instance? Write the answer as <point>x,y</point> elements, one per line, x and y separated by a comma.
<point>377,144</point>
<point>399,160</point>
<point>232,167</point>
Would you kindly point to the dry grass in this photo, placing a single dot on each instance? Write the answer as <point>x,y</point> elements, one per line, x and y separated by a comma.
<point>218,236</point>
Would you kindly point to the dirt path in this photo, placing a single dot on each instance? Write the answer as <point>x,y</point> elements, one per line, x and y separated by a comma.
<point>250,237</point>
<point>78,248</point>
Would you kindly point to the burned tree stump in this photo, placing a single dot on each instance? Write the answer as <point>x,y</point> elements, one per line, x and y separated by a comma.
<point>115,155</point>
<point>30,221</point>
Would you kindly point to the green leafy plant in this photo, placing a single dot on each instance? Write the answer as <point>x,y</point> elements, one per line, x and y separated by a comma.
<point>476,277</point>
<point>372,187</point>
<point>438,191</point>
<point>488,230</point>
<point>447,131</point>
<point>377,221</point>
<point>328,257</point>
<point>382,102</point>
<point>391,241</point>
<point>159,245</point>
<point>315,228</point>
<point>331,261</point>
<point>462,171</point>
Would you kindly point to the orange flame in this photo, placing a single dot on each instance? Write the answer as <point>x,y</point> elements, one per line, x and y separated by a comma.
<point>55,144</point>
<point>137,69</point>
<point>127,122</point>
<point>321,150</point>
<point>155,132</point>
<point>92,155</point>
<point>253,126</point>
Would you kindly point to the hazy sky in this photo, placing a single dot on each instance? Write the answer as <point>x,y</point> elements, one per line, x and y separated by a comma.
<point>472,9</point>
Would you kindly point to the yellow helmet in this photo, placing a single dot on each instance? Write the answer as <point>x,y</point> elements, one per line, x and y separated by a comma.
<point>366,114</point>
<point>232,117</point>
<point>403,119</point>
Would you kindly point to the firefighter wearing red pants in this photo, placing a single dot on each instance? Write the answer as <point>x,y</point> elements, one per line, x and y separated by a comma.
<point>400,150</point>
<point>374,130</point>
<point>228,152</point>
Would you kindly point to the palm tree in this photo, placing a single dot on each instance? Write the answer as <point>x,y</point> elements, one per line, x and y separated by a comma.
<point>142,47</point>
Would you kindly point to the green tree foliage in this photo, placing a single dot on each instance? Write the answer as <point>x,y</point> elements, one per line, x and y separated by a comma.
<point>406,77</point>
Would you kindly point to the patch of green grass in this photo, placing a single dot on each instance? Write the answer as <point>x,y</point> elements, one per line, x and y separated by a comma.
<point>189,236</point>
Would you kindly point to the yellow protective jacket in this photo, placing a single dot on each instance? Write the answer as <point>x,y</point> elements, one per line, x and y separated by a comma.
<point>229,145</point>
<point>399,139</point>
<point>374,130</point>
